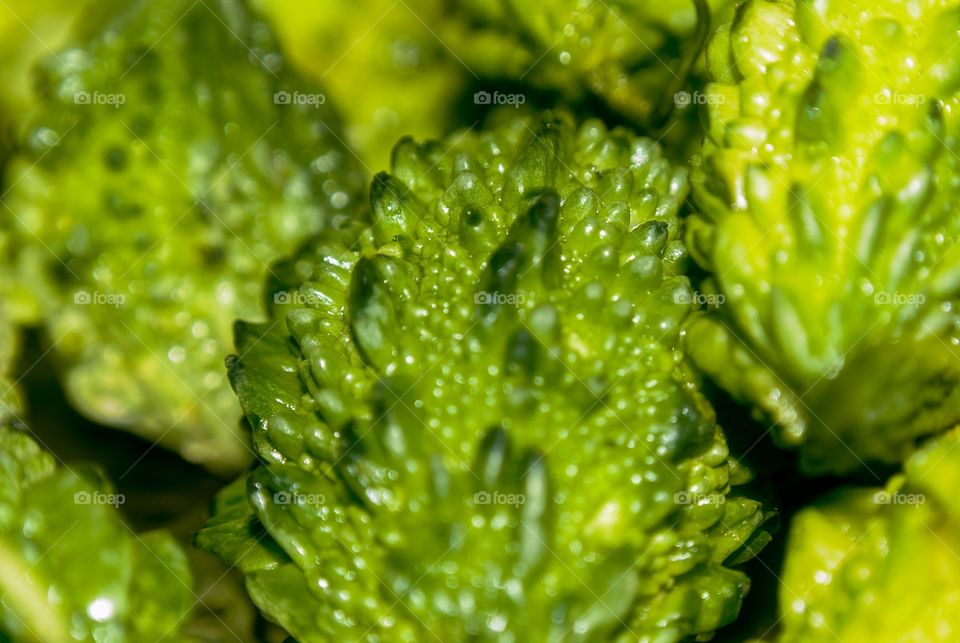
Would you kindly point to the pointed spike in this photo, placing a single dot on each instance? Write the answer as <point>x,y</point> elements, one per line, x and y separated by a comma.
<point>822,112</point>
<point>537,232</point>
<point>503,271</point>
<point>372,312</point>
<point>648,238</point>
<point>480,229</point>
<point>534,532</point>
<point>523,354</point>
<point>396,211</point>
<point>535,168</point>
<point>544,213</point>
<point>492,457</point>
<point>804,219</point>
<point>442,481</point>
<point>871,227</point>
<point>418,163</point>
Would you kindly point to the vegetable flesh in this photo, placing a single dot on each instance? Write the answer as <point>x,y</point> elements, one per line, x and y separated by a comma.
<point>827,192</point>
<point>476,422</point>
<point>627,53</point>
<point>879,564</point>
<point>70,570</point>
<point>162,172</point>
<point>382,60</point>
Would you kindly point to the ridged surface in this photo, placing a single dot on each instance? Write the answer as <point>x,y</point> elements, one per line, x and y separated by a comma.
<point>880,565</point>
<point>142,227</point>
<point>70,570</point>
<point>477,419</point>
<point>627,53</point>
<point>828,189</point>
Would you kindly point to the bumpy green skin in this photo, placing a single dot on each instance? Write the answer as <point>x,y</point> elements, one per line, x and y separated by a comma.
<point>828,187</point>
<point>880,565</point>
<point>626,52</point>
<point>477,418</point>
<point>70,570</point>
<point>142,230</point>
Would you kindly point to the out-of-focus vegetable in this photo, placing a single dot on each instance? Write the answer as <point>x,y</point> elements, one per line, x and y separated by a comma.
<point>383,60</point>
<point>70,570</point>
<point>29,31</point>
<point>167,165</point>
<point>10,402</point>
<point>828,190</point>
<point>634,55</point>
<point>880,565</point>
<point>473,417</point>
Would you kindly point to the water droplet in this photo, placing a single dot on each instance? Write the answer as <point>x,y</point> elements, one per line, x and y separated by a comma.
<point>497,623</point>
<point>340,200</point>
<point>100,609</point>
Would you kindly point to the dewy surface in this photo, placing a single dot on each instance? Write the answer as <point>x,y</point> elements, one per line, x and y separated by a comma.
<point>870,565</point>
<point>172,158</point>
<point>828,191</point>
<point>627,53</point>
<point>70,570</point>
<point>473,417</point>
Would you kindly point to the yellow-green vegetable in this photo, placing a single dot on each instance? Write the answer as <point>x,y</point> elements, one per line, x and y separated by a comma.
<point>383,60</point>
<point>70,570</point>
<point>828,190</point>
<point>880,565</point>
<point>473,416</point>
<point>166,166</point>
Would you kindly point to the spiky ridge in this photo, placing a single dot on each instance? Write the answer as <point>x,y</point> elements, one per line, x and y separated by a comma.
<point>867,565</point>
<point>141,229</point>
<point>482,424</point>
<point>828,188</point>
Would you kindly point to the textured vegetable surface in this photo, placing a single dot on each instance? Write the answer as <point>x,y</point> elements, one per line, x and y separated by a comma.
<point>10,403</point>
<point>163,171</point>
<point>627,53</point>
<point>828,188</point>
<point>381,59</point>
<point>880,565</point>
<point>472,416</point>
<point>28,32</point>
<point>70,570</point>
